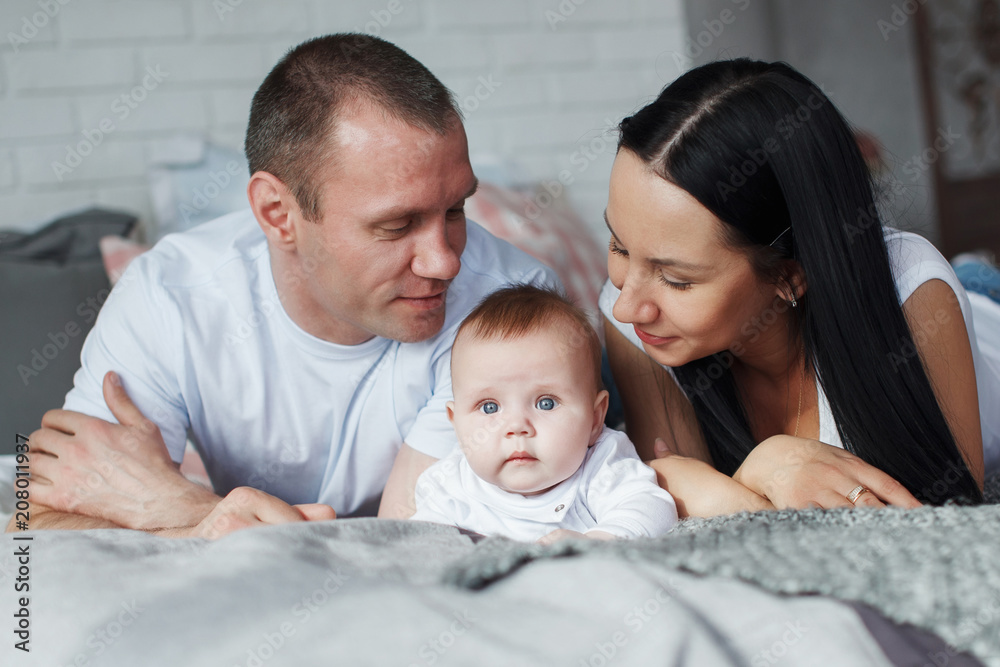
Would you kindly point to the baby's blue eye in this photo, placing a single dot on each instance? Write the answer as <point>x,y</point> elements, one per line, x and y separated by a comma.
<point>545,404</point>
<point>489,407</point>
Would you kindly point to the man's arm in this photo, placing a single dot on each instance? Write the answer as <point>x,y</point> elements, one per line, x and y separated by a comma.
<point>242,508</point>
<point>89,473</point>
<point>398,496</point>
<point>118,473</point>
<point>45,518</point>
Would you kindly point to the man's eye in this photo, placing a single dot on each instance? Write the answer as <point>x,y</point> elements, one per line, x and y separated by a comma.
<point>395,228</point>
<point>489,407</point>
<point>546,403</point>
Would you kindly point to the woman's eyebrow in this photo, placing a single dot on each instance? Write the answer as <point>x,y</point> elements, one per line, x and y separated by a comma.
<point>675,263</point>
<point>609,224</point>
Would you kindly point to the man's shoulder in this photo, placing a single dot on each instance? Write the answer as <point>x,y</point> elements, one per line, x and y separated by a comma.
<point>196,256</point>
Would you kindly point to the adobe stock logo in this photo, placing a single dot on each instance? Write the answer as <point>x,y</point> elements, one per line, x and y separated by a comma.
<point>669,64</point>
<point>38,20</point>
<point>122,107</point>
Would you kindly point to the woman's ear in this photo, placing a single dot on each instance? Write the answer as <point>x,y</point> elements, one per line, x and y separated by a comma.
<point>275,208</point>
<point>793,285</point>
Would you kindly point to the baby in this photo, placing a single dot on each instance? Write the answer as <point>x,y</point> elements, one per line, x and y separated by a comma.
<point>535,460</point>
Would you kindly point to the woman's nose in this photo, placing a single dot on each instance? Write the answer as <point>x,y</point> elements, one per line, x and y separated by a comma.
<point>634,306</point>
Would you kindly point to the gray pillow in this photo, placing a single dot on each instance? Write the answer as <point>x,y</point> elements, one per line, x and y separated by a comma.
<point>52,284</point>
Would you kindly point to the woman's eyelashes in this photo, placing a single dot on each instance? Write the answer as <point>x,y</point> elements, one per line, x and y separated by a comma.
<point>616,249</point>
<point>672,284</point>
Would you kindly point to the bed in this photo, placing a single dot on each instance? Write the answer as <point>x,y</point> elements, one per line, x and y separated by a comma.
<point>793,588</point>
<point>816,587</point>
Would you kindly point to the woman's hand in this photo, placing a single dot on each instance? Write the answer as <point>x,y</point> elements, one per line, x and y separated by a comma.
<point>699,489</point>
<point>798,473</point>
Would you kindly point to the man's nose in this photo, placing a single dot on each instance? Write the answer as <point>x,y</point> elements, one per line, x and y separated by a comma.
<point>438,252</point>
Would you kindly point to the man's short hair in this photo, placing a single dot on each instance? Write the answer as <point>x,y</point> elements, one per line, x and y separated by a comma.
<point>294,112</point>
<point>518,310</point>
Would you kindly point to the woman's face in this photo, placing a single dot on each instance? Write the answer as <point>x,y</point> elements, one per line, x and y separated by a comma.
<point>686,292</point>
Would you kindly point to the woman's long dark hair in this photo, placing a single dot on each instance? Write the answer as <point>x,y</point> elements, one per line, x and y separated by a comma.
<point>762,148</point>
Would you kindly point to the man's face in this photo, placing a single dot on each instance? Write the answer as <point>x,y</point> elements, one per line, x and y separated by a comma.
<point>526,409</point>
<point>391,230</point>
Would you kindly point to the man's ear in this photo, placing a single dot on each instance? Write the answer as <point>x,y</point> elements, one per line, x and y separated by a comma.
<point>450,409</point>
<point>600,411</point>
<point>275,208</point>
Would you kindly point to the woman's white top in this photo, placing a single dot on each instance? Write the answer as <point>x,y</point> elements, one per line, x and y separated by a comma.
<point>914,261</point>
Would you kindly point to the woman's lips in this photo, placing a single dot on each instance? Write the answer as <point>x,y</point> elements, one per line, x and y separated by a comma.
<point>650,339</point>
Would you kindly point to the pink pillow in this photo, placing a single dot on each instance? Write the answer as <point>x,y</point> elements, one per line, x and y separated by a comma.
<point>117,254</point>
<point>554,235</point>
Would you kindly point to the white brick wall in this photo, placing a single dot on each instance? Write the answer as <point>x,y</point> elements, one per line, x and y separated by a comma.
<point>559,72</point>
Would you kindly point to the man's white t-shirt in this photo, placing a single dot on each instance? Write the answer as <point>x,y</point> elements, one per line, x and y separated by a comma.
<point>612,491</point>
<point>914,261</point>
<point>203,346</point>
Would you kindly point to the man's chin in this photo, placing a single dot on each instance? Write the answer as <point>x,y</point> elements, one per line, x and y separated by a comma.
<point>419,328</point>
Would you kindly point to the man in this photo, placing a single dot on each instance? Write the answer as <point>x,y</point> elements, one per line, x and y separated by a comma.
<point>302,353</point>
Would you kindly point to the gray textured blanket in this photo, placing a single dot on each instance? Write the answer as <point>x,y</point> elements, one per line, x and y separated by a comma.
<point>369,592</point>
<point>756,590</point>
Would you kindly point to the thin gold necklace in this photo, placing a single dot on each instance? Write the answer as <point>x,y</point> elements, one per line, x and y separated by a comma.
<point>802,381</point>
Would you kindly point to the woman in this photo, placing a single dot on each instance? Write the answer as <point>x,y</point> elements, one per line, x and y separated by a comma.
<point>817,359</point>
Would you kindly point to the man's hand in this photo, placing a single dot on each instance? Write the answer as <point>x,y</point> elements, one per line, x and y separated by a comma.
<point>246,507</point>
<point>120,473</point>
<point>798,473</point>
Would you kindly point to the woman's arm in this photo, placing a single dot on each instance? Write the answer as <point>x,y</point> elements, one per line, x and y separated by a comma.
<point>661,423</point>
<point>701,490</point>
<point>655,407</point>
<point>942,341</point>
<point>796,473</point>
